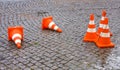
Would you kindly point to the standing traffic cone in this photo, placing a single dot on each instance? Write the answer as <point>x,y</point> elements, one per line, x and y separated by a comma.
<point>104,38</point>
<point>91,35</point>
<point>47,23</point>
<point>100,28</point>
<point>16,34</point>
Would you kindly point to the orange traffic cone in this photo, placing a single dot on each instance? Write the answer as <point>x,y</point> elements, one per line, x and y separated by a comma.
<point>47,23</point>
<point>16,34</point>
<point>100,28</point>
<point>104,38</point>
<point>91,35</point>
<point>102,24</point>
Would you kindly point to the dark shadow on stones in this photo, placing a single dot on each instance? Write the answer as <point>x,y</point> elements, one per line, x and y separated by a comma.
<point>2,57</point>
<point>11,45</point>
<point>41,13</point>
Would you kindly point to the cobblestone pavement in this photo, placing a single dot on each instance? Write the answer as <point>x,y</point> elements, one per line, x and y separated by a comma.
<point>49,50</point>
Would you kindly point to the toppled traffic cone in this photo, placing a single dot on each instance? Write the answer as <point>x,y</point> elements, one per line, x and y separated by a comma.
<point>100,28</point>
<point>16,34</point>
<point>104,38</point>
<point>47,23</point>
<point>91,35</point>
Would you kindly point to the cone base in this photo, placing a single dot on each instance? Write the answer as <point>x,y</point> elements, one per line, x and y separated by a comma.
<point>89,40</point>
<point>43,26</point>
<point>18,29</point>
<point>46,21</point>
<point>111,45</point>
<point>90,37</point>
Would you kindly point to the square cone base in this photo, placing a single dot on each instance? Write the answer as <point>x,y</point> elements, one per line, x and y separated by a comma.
<point>111,45</point>
<point>90,40</point>
<point>11,29</point>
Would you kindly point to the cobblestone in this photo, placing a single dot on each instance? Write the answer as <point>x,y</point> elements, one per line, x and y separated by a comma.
<point>49,50</point>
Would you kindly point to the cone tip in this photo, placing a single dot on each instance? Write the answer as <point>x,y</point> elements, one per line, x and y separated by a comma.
<point>104,13</point>
<point>59,30</point>
<point>91,16</point>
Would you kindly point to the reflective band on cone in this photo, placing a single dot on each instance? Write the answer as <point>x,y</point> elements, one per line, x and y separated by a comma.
<point>51,24</point>
<point>91,30</point>
<point>105,34</point>
<point>16,35</point>
<point>17,41</point>
<point>91,22</point>
<point>56,27</point>
<point>102,18</point>
<point>101,25</point>
<point>105,27</point>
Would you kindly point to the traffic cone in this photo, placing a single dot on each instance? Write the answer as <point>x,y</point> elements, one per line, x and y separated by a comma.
<point>100,28</point>
<point>47,23</point>
<point>91,35</point>
<point>104,38</point>
<point>16,34</point>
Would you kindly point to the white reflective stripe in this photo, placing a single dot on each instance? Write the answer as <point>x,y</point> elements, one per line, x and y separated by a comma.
<point>102,18</point>
<point>17,41</point>
<point>56,27</point>
<point>50,25</point>
<point>105,27</point>
<point>91,22</point>
<point>91,30</point>
<point>101,25</point>
<point>105,34</point>
<point>16,35</point>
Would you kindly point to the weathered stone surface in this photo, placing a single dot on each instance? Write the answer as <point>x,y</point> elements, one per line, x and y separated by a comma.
<point>49,50</point>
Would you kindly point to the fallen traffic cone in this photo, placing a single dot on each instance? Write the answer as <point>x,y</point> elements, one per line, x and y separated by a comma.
<point>16,34</point>
<point>104,38</point>
<point>100,28</point>
<point>91,35</point>
<point>47,23</point>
